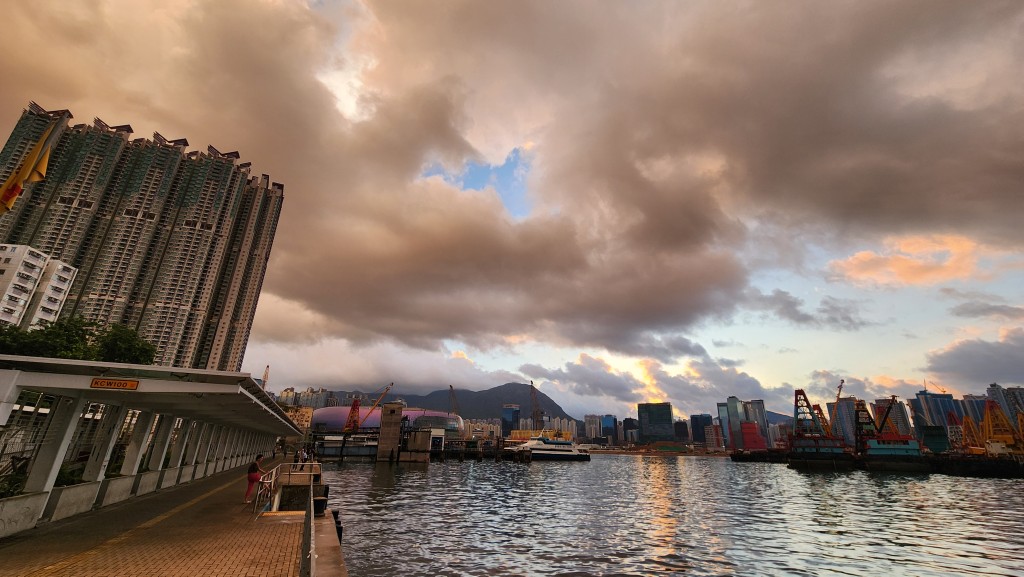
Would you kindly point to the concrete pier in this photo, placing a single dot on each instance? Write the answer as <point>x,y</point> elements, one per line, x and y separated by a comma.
<point>199,528</point>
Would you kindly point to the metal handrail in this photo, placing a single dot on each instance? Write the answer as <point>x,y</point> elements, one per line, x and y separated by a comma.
<point>283,474</point>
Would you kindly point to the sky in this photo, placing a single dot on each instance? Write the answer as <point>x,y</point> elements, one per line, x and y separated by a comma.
<point>623,202</point>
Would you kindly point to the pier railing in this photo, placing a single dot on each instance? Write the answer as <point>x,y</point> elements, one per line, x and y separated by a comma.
<point>284,474</point>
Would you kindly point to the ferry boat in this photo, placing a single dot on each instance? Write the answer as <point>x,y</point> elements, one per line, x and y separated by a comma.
<point>546,449</point>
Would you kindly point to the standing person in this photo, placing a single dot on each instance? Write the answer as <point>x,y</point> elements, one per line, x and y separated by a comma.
<point>253,476</point>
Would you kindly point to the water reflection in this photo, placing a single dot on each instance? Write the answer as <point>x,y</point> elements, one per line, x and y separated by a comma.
<point>631,515</point>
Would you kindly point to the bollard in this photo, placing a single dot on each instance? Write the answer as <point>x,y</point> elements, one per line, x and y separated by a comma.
<point>337,524</point>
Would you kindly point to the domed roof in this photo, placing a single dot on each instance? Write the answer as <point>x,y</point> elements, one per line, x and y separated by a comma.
<point>334,418</point>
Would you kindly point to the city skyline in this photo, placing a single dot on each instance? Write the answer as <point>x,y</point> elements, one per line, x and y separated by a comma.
<point>662,202</point>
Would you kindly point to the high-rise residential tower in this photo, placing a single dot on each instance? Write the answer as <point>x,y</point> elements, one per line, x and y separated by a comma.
<point>173,244</point>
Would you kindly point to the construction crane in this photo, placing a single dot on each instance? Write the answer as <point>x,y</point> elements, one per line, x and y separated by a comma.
<point>266,377</point>
<point>375,403</point>
<point>999,435</point>
<point>973,443</point>
<point>353,423</point>
<point>825,425</point>
<point>806,422</point>
<point>833,423</point>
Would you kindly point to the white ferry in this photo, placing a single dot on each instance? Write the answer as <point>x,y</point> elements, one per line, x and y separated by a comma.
<point>546,449</point>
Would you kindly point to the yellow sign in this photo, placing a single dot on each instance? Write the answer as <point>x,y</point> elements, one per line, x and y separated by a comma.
<point>120,384</point>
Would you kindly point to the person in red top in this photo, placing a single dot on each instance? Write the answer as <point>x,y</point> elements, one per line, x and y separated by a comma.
<point>255,472</point>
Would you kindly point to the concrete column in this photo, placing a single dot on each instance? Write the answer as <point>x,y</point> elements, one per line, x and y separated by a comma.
<point>210,444</point>
<point>137,444</point>
<point>160,442</point>
<point>202,430</point>
<point>178,450</point>
<point>106,438</point>
<point>63,422</point>
<point>9,392</point>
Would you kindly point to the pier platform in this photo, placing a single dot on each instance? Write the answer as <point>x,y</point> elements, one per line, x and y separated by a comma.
<point>199,528</point>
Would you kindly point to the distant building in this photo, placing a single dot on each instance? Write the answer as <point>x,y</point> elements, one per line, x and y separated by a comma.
<point>509,419</point>
<point>897,416</point>
<point>778,435</point>
<point>697,425</point>
<point>714,440</point>
<point>610,429</point>
<point>682,431</point>
<point>734,413</point>
<point>301,416</point>
<point>723,420</point>
<point>843,418</point>
<point>932,409</point>
<point>752,439</point>
<point>655,422</point>
<point>974,406</point>
<point>482,429</point>
<point>33,286</point>
<point>630,430</point>
<point>1010,400</point>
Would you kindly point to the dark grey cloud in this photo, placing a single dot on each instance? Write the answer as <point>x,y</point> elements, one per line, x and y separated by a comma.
<point>832,313</point>
<point>975,363</point>
<point>666,137</point>
<point>590,377</point>
<point>977,309</point>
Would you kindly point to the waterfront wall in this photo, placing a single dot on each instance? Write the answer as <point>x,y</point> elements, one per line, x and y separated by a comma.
<point>20,513</point>
<point>71,500</point>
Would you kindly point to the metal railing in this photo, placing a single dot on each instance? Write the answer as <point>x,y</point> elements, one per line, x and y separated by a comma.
<point>283,474</point>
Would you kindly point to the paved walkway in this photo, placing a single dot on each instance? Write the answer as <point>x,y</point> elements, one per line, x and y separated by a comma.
<point>198,529</point>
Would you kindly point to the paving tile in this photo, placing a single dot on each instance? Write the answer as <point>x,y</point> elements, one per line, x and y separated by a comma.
<point>199,529</point>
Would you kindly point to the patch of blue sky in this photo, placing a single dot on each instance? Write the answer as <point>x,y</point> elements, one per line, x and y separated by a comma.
<point>507,179</point>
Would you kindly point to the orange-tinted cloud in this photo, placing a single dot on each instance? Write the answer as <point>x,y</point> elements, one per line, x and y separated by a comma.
<point>918,260</point>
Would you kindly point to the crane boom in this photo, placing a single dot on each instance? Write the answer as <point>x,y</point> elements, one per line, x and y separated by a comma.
<point>375,403</point>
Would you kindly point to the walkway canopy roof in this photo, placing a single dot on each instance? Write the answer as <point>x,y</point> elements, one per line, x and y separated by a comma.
<point>218,397</point>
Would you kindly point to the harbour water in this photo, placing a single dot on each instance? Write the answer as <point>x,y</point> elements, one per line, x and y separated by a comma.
<point>660,515</point>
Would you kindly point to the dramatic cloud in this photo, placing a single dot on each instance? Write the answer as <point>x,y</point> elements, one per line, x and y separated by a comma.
<point>981,362</point>
<point>679,155</point>
<point>832,312</point>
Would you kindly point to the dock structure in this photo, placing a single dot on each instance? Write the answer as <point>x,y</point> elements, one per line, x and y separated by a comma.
<point>79,435</point>
<point>199,528</point>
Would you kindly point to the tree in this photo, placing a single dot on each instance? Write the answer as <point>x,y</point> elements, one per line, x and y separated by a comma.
<point>76,338</point>
<point>120,344</point>
<point>12,339</point>
<point>71,338</point>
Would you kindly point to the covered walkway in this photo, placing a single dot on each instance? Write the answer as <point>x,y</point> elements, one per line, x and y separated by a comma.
<point>77,436</point>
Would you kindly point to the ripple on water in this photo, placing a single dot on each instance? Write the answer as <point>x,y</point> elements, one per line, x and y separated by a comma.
<point>629,515</point>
